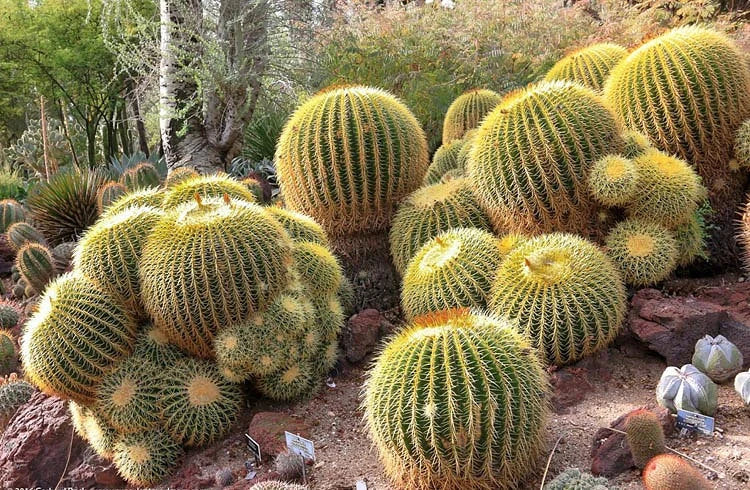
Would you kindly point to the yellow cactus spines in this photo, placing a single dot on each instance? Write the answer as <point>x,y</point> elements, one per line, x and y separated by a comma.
<point>613,180</point>
<point>742,145</point>
<point>452,175</point>
<point>325,359</point>
<point>467,112</point>
<point>146,458</point>
<point>319,269</point>
<point>645,252</point>
<point>688,91</point>
<point>178,175</point>
<point>93,429</point>
<point>567,296</point>
<point>293,382</point>
<point>127,397</point>
<point>14,392</point>
<point>668,190</point>
<point>444,160</point>
<point>454,269</point>
<point>635,143</point>
<point>152,346</point>
<point>429,211</point>
<point>462,158</point>
<point>347,156</point>
<point>589,66</point>
<point>329,316</point>
<point>211,263</point>
<point>110,250</point>
<point>77,335</point>
<point>140,176</point>
<point>300,227</point>
<point>691,239</point>
<point>198,405</point>
<point>151,196</point>
<point>234,357</point>
<point>36,265</point>
<point>457,400</point>
<point>532,156</point>
<point>510,241</point>
<point>109,193</point>
<point>206,186</point>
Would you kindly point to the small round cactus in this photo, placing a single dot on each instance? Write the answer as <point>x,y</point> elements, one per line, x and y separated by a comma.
<point>444,160</point>
<point>742,386</point>
<point>152,346</point>
<point>127,397</point>
<point>293,382</point>
<point>109,193</point>
<point>717,357</point>
<point>206,186</point>
<point>635,143</point>
<point>691,239</point>
<point>454,269</point>
<point>318,268</point>
<point>670,472</point>
<point>11,212</point>
<point>177,175</point>
<point>198,406</point>
<point>14,392</point>
<point>74,339</point>
<point>140,176</point>
<point>8,354</point>
<point>429,211</point>
<point>9,315</point>
<point>462,158</point>
<point>645,252</point>
<point>686,389</point>
<point>146,458</point>
<point>300,227</point>
<point>467,112</point>
<point>457,400</point>
<point>575,479</point>
<point>589,66</point>
<point>566,295</point>
<point>36,265</point>
<point>19,234</point>
<point>613,180</point>
<point>645,436</point>
<point>151,196</point>
<point>93,429</point>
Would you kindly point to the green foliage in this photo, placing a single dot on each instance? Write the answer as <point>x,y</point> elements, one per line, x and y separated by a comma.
<point>457,400</point>
<point>613,180</point>
<point>93,429</point>
<point>64,207</point>
<point>467,111</point>
<point>454,269</point>
<point>534,180</point>
<point>9,315</point>
<point>669,471</point>
<point>575,479</point>
<point>261,135</point>
<point>333,164</point>
<point>11,212</point>
<point>127,397</point>
<point>566,295</point>
<point>589,66</point>
<point>198,405</point>
<point>146,458</point>
<point>36,265</point>
<point>109,193</point>
<point>300,227</point>
<point>206,186</point>
<point>430,210</point>
<point>645,436</point>
<point>74,338</point>
<point>645,252</point>
<point>14,392</point>
<point>141,176</point>
<point>11,184</point>
<point>8,354</point>
<point>22,233</point>
<point>209,264</point>
<point>444,160</point>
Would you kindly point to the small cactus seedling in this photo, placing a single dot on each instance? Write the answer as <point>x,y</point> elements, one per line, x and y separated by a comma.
<point>290,383</point>
<point>9,315</point>
<point>575,479</point>
<point>635,143</point>
<point>613,180</point>
<point>670,472</point>
<point>289,466</point>
<point>645,436</point>
<point>645,252</point>
<point>14,392</point>
<point>152,345</point>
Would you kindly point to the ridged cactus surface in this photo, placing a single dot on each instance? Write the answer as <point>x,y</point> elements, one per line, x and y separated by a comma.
<point>533,153</point>
<point>318,268</point>
<point>209,264</point>
<point>645,252</point>
<point>9,315</point>
<point>457,400</point>
<point>144,197</point>
<point>613,180</point>
<point>36,265</point>
<point>589,66</point>
<point>691,239</point>
<point>8,354</point>
<point>127,397</point>
<point>14,392</point>
<point>178,175</point>
<point>19,234</point>
<point>688,91</point>
<point>566,295</point>
<point>467,112</point>
<point>295,381</point>
<point>444,160</point>
<point>671,472</point>
<point>146,458</point>
<point>429,211</point>
<point>140,176</point>
<point>645,436</point>
<point>301,228</point>
<point>454,269</point>
<point>152,346</point>
<point>76,336</point>
<point>206,186</point>
<point>635,143</point>
<point>109,193</point>
<point>11,212</point>
<point>93,429</point>
<point>742,144</point>
<point>348,155</point>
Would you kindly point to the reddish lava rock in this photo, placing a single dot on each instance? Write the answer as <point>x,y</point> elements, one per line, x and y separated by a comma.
<point>610,454</point>
<point>267,428</point>
<point>570,384</point>
<point>34,450</point>
<point>362,333</point>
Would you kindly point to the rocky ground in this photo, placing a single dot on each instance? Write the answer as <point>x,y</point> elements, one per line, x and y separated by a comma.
<point>588,397</point>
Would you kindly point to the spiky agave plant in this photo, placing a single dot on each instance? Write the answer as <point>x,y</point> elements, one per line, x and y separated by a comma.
<point>645,252</point>
<point>565,293</point>
<point>65,206</point>
<point>589,66</point>
<point>457,400</point>
<point>535,180</point>
<point>467,111</point>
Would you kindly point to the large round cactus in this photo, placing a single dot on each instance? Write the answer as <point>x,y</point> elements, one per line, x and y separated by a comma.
<point>467,112</point>
<point>348,156</point>
<point>589,66</point>
<point>688,91</point>
<point>565,293</point>
<point>429,211</point>
<point>206,186</point>
<point>75,338</point>
<point>110,250</point>
<point>532,156</point>
<point>209,264</point>
<point>454,269</point>
<point>457,400</point>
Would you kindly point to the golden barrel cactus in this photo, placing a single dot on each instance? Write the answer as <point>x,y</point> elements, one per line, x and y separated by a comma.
<point>146,458</point>
<point>127,397</point>
<point>347,156</point>
<point>206,186</point>
<point>143,197</point>
<point>444,160</point>
<point>645,252</point>
<point>467,111</point>
<point>613,180</point>
<point>589,66</point>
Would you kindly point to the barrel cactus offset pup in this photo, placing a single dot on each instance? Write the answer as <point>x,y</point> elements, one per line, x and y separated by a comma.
<point>645,252</point>
<point>93,429</point>
<point>444,160</point>
<point>19,234</point>
<point>718,358</point>
<point>462,158</point>
<point>575,479</point>
<point>565,293</point>
<point>8,354</point>
<point>635,143</point>
<point>742,386</point>
<point>534,180</point>
<point>645,436</point>
<point>74,339</point>
<point>140,176</point>
<point>429,211</point>
<point>151,196</point>
<point>686,389</point>
<point>127,397</point>
<point>109,193</point>
<point>691,237</point>
<point>613,180</point>
<point>346,158</point>
<point>146,458</point>
<point>454,269</point>
<point>14,392</point>
<point>36,265</point>
<point>467,112</point>
<point>210,264</point>
<point>671,472</point>
<point>589,66</point>
<point>206,186</point>
<point>457,400</point>
<point>152,346</point>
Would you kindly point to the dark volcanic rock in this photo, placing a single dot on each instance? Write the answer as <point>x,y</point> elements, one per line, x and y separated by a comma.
<point>570,384</point>
<point>362,334</point>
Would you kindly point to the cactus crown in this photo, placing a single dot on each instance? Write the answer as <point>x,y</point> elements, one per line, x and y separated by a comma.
<point>645,252</point>
<point>206,186</point>
<point>588,66</point>
<point>613,180</point>
<point>467,112</point>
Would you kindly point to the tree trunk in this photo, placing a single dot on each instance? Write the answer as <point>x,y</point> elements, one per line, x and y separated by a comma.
<point>45,141</point>
<point>140,128</point>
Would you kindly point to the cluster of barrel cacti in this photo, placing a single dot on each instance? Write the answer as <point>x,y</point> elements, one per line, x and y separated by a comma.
<point>177,294</point>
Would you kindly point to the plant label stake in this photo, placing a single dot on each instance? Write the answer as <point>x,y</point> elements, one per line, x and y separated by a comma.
<point>254,448</point>
<point>302,447</point>
<point>695,422</point>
